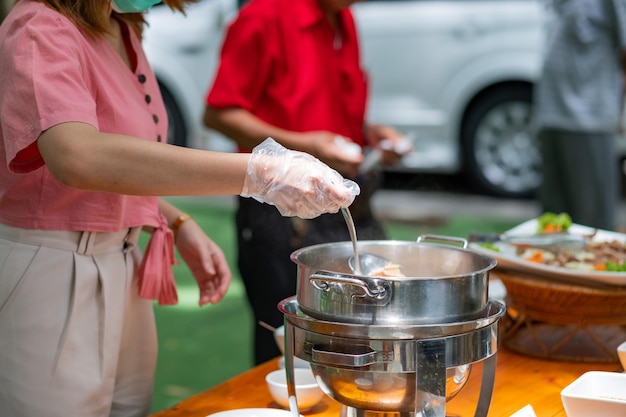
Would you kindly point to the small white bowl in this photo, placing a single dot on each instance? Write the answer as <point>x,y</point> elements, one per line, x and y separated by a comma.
<point>279,337</point>
<point>308,393</point>
<point>621,354</point>
<point>297,363</point>
<point>596,393</point>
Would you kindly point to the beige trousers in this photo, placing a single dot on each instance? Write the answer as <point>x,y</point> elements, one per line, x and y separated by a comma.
<point>75,339</point>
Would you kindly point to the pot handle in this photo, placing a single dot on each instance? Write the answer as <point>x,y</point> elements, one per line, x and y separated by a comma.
<point>368,356</point>
<point>440,238</point>
<point>320,281</point>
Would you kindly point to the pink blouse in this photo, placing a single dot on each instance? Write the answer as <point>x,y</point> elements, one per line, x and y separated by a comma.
<point>51,73</point>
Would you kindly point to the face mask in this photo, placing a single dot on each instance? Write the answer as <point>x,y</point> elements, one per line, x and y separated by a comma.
<point>132,6</point>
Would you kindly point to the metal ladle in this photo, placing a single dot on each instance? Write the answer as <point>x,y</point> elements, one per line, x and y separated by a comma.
<point>364,263</point>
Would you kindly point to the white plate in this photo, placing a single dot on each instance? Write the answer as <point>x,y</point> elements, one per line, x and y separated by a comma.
<point>253,412</point>
<point>507,257</point>
<point>621,354</point>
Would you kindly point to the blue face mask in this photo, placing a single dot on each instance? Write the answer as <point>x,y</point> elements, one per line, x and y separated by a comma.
<point>132,6</point>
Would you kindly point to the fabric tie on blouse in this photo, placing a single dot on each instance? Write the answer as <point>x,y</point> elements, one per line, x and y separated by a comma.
<point>156,278</point>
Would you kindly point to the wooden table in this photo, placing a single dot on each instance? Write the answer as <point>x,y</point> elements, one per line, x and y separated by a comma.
<point>520,380</point>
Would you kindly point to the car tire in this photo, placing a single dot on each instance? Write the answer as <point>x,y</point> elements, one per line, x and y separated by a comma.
<point>500,152</point>
<point>176,129</point>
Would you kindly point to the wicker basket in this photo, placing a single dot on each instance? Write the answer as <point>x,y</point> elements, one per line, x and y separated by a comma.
<point>562,321</point>
<point>564,303</point>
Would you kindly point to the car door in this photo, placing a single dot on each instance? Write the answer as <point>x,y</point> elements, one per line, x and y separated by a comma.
<point>430,60</point>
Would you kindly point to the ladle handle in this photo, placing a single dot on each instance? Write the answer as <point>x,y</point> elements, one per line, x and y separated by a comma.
<point>320,281</point>
<point>439,238</point>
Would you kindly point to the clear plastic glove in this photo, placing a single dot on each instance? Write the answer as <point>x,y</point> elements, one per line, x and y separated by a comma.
<point>295,182</point>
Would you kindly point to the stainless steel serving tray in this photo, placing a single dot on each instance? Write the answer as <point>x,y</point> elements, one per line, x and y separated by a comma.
<point>489,315</point>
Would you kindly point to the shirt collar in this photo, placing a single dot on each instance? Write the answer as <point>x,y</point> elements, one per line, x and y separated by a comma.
<point>310,13</point>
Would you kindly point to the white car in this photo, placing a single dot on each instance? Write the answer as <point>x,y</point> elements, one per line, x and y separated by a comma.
<point>455,76</point>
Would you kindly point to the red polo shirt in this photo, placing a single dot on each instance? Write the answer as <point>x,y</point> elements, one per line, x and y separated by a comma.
<point>280,61</point>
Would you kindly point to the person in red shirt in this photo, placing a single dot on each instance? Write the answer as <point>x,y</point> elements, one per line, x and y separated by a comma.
<point>290,69</point>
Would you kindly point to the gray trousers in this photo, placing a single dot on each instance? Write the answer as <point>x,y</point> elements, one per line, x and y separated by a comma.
<point>75,339</point>
<point>581,177</point>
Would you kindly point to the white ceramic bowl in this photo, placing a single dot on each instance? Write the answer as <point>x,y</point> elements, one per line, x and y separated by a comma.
<point>253,412</point>
<point>308,393</point>
<point>596,393</point>
<point>621,353</point>
<point>297,363</point>
<point>279,337</point>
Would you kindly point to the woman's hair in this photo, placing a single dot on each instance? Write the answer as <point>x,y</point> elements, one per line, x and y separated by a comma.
<point>88,16</point>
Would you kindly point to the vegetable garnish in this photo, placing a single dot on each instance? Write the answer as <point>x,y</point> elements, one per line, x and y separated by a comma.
<point>553,223</point>
<point>535,257</point>
<point>615,266</point>
<point>490,246</point>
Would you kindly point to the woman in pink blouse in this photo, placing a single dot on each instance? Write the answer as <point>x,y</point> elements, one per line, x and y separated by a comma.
<point>82,132</point>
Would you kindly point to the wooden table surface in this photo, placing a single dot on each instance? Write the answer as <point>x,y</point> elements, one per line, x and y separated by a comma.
<point>520,380</point>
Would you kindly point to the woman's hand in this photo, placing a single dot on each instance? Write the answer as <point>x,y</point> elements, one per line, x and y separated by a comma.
<point>206,261</point>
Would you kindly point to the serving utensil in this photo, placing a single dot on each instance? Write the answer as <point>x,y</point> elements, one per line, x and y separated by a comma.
<point>267,326</point>
<point>368,262</point>
<point>361,263</point>
<point>554,242</point>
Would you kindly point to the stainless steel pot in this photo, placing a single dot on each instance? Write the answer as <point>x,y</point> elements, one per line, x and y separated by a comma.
<point>442,283</point>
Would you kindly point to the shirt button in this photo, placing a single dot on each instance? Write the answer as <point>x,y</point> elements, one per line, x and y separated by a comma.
<point>155,118</point>
<point>159,138</point>
<point>141,78</point>
<point>148,98</point>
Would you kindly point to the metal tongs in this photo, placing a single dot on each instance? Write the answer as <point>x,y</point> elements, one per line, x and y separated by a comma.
<point>553,242</point>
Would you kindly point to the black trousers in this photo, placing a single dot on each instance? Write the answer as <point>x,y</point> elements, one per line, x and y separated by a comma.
<point>265,242</point>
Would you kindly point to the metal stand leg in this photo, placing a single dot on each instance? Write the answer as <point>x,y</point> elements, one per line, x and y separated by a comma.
<point>430,378</point>
<point>486,388</point>
<point>290,336</point>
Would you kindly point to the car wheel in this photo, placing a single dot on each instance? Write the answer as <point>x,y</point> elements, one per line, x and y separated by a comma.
<point>500,152</point>
<point>176,129</point>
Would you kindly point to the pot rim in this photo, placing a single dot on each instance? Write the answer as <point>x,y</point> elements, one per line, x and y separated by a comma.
<point>490,261</point>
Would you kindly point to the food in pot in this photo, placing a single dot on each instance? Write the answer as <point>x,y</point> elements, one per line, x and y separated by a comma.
<point>390,270</point>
